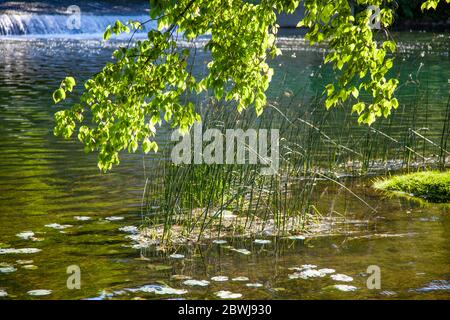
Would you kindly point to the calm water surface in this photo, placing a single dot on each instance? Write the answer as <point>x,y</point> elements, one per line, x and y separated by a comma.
<point>44,180</point>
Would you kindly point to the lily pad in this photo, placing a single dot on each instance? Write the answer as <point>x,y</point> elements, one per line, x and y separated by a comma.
<point>220,278</point>
<point>19,251</point>
<point>5,264</point>
<point>341,277</point>
<point>200,283</point>
<point>344,287</point>
<point>309,266</point>
<point>26,235</point>
<point>40,292</point>
<point>114,218</point>
<point>82,218</point>
<point>254,285</point>
<point>240,279</point>
<point>228,295</point>
<point>58,226</point>
<point>242,251</point>
<point>30,267</point>
<point>24,261</point>
<point>129,229</point>
<point>297,237</point>
<point>327,270</point>
<point>157,289</point>
<point>304,267</point>
<point>307,274</point>
<point>8,269</point>
<point>262,241</point>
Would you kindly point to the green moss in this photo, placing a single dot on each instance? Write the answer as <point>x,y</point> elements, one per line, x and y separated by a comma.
<point>432,186</point>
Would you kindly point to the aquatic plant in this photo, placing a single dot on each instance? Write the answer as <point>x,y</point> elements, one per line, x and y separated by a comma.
<point>433,186</point>
<point>189,202</point>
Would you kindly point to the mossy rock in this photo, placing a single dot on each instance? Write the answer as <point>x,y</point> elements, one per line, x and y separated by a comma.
<point>433,186</point>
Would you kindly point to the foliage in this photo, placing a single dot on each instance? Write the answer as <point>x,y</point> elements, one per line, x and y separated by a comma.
<point>410,10</point>
<point>152,80</point>
<point>433,186</point>
<point>431,4</point>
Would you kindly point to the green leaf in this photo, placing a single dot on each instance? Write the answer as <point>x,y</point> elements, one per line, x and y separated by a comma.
<point>359,107</point>
<point>107,33</point>
<point>59,95</point>
<point>69,83</point>
<point>146,145</point>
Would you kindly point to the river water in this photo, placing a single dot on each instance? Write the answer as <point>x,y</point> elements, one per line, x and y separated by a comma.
<point>47,184</point>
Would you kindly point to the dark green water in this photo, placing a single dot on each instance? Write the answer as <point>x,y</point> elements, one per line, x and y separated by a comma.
<point>44,180</point>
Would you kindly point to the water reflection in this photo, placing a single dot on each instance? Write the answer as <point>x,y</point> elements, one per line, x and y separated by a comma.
<point>45,181</point>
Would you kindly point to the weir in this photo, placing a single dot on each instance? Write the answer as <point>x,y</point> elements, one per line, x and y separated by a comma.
<point>31,20</point>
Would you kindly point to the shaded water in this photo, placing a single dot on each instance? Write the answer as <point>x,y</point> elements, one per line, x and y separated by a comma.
<point>44,180</point>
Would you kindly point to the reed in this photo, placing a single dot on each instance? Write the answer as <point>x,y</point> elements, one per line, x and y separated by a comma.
<point>193,202</point>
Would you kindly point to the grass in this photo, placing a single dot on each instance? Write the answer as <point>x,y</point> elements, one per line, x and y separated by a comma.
<point>183,202</point>
<point>432,186</point>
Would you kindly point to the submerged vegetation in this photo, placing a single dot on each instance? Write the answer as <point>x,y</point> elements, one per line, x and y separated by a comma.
<point>432,186</point>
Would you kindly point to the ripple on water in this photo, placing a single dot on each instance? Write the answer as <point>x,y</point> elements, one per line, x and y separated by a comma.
<point>436,285</point>
<point>179,277</point>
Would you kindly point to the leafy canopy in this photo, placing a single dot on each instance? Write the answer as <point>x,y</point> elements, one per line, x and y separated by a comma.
<point>152,80</point>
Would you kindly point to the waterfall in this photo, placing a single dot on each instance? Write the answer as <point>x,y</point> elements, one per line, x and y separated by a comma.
<point>59,24</point>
